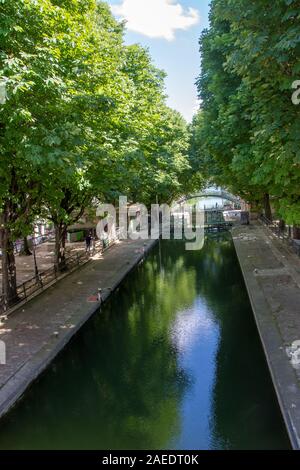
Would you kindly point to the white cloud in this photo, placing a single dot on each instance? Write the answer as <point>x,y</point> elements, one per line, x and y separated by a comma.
<point>156,18</point>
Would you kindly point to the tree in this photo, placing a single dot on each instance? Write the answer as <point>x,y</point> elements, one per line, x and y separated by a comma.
<point>48,62</point>
<point>250,60</point>
<point>84,118</point>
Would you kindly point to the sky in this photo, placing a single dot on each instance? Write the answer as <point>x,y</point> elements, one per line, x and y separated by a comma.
<point>170,29</point>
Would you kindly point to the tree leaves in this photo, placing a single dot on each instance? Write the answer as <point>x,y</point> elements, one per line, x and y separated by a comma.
<point>85,114</point>
<point>249,127</point>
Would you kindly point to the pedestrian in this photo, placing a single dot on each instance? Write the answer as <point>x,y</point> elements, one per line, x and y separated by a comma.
<point>99,295</point>
<point>88,240</point>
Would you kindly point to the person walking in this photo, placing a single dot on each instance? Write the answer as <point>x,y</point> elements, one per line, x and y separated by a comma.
<point>88,241</point>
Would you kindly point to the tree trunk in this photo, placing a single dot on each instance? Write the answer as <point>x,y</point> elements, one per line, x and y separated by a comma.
<point>267,207</point>
<point>296,233</point>
<point>25,250</point>
<point>9,273</point>
<point>60,246</point>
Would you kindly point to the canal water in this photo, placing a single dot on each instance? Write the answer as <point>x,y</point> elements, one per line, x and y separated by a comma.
<point>173,361</point>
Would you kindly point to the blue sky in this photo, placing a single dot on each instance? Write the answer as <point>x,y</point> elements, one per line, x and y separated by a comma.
<point>170,29</point>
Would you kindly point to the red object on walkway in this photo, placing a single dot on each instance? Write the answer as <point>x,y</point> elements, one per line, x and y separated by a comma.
<point>92,298</point>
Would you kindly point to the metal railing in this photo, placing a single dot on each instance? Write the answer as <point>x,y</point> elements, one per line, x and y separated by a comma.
<point>37,283</point>
<point>282,233</point>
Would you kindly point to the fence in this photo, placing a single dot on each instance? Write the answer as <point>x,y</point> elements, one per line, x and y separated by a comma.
<point>282,233</point>
<point>44,278</point>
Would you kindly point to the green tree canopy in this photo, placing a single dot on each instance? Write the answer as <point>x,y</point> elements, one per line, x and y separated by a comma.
<point>82,117</point>
<point>248,137</point>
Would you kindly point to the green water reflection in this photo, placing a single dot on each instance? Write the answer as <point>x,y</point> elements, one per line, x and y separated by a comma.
<point>172,361</point>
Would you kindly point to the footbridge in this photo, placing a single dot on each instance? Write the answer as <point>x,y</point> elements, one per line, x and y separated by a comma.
<point>211,192</point>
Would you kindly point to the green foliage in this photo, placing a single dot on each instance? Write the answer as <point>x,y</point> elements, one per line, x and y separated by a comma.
<point>85,116</point>
<point>84,112</point>
<point>249,128</point>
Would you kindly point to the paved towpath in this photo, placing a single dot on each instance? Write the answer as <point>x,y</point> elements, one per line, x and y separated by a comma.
<point>36,332</point>
<point>44,260</point>
<point>272,276</point>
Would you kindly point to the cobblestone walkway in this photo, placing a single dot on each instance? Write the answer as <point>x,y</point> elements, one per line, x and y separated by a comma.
<point>272,276</point>
<point>34,334</point>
